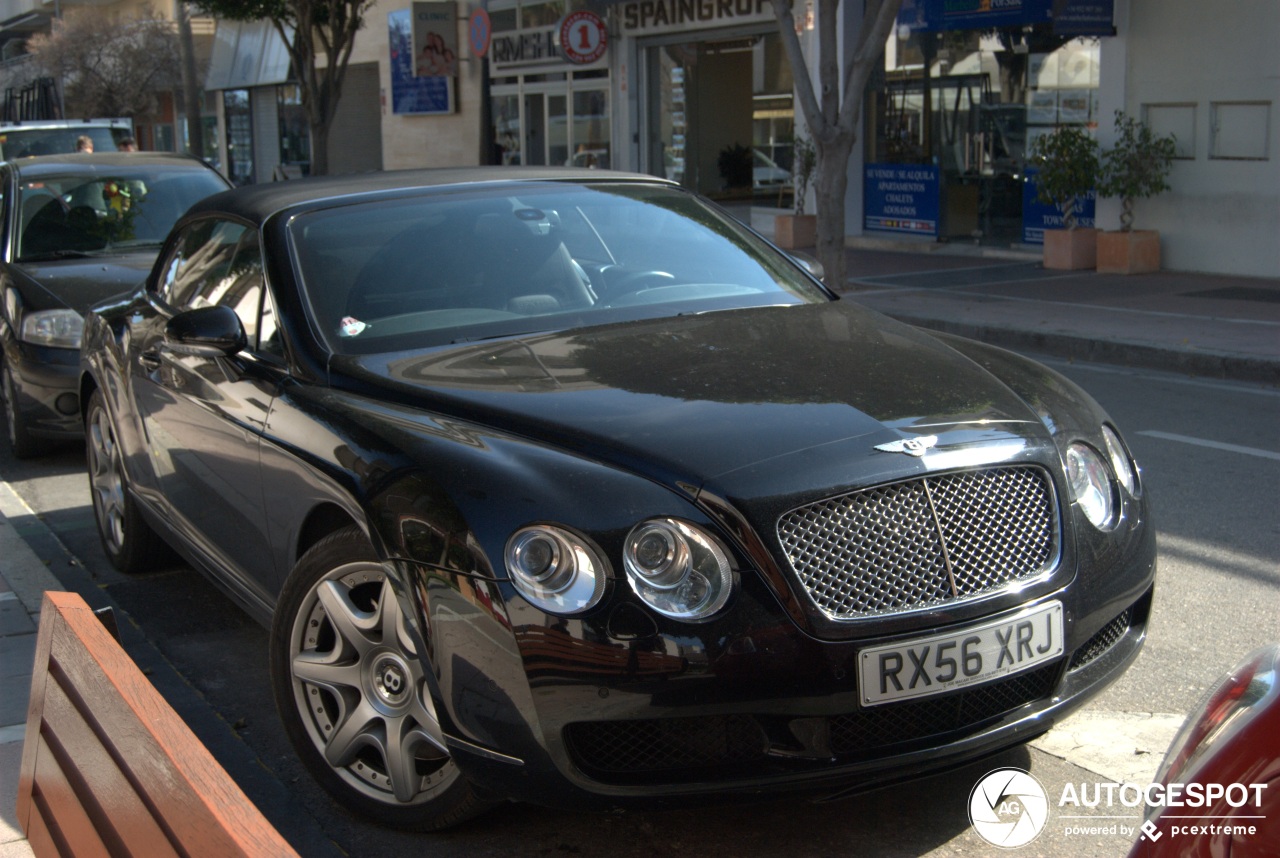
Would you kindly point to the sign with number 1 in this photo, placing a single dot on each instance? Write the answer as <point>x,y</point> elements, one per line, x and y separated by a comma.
<point>582,37</point>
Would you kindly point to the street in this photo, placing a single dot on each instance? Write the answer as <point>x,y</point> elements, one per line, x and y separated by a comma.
<point>1210,453</point>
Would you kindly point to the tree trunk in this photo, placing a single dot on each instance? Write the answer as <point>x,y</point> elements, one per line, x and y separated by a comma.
<point>192,101</point>
<point>834,113</point>
<point>831,187</point>
<point>320,146</point>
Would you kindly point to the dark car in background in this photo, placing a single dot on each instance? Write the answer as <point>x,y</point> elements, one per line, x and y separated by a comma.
<point>77,228</point>
<point>563,486</point>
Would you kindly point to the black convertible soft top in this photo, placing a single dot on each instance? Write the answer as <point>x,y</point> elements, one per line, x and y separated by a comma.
<point>256,203</point>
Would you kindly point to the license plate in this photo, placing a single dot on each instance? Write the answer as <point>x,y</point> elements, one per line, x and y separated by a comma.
<point>944,662</point>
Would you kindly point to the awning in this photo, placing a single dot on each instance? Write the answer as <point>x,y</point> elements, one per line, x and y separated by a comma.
<point>247,54</point>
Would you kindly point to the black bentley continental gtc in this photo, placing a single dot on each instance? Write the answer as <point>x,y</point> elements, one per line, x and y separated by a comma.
<point>562,486</point>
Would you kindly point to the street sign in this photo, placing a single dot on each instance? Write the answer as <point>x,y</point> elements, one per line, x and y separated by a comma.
<point>480,31</point>
<point>582,37</point>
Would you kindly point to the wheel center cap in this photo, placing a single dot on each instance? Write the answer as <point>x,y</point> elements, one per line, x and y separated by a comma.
<point>391,679</point>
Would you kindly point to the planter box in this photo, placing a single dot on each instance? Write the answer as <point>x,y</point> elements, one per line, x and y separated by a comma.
<point>793,231</point>
<point>1070,249</point>
<point>1135,252</point>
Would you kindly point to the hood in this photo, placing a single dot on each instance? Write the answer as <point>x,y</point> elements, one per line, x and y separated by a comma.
<point>81,283</point>
<point>784,399</point>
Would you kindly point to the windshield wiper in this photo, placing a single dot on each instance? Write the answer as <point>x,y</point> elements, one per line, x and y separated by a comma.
<point>57,254</point>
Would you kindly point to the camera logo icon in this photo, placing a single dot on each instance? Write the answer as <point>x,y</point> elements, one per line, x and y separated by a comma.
<point>1008,808</point>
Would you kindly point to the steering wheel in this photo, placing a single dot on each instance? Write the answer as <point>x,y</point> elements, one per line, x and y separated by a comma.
<point>638,280</point>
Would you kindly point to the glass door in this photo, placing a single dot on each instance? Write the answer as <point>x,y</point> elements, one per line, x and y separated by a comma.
<point>239,136</point>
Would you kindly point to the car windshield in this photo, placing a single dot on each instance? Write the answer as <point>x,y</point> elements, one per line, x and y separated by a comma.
<point>498,261</point>
<point>21,142</point>
<point>90,215</point>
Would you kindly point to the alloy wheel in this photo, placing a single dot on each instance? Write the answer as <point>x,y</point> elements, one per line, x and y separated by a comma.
<point>106,480</point>
<point>359,689</point>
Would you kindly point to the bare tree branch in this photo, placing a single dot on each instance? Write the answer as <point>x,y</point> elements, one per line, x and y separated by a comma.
<point>109,65</point>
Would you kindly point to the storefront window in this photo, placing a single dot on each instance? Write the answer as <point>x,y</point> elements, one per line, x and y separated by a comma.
<point>722,117</point>
<point>545,111</point>
<point>295,131</point>
<point>591,129</point>
<point>239,136</point>
<point>506,121</point>
<point>558,129</point>
<point>965,106</point>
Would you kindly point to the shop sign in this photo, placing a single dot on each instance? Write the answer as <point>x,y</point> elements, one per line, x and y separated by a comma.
<point>658,16</point>
<point>516,48</point>
<point>1069,17</point>
<point>901,198</point>
<point>582,37</point>
<point>935,15</point>
<point>410,92</point>
<point>1084,18</point>
<point>1038,216</point>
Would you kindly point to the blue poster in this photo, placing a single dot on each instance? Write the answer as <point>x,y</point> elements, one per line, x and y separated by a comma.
<point>901,198</point>
<point>937,15</point>
<point>410,94</point>
<point>1038,216</point>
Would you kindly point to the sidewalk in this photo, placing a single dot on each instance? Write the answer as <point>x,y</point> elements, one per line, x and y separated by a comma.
<point>1202,324</point>
<point>23,580</point>
<point>1210,325</point>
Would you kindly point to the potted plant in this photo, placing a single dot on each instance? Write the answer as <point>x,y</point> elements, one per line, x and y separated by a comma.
<point>799,229</point>
<point>1067,161</point>
<point>1135,168</point>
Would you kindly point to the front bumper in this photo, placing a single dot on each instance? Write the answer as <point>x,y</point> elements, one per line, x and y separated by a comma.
<point>818,746</point>
<point>563,715</point>
<point>48,395</point>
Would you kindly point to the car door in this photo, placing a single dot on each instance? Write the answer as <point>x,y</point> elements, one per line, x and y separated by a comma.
<point>203,416</point>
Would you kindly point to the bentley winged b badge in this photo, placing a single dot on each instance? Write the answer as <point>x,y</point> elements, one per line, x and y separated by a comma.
<point>910,446</point>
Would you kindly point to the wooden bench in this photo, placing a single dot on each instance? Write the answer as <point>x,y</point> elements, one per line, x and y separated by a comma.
<point>108,768</point>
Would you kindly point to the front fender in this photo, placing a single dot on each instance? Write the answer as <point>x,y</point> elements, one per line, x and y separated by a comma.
<point>443,524</point>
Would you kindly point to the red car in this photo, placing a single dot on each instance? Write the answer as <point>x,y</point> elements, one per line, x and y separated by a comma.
<point>1221,776</point>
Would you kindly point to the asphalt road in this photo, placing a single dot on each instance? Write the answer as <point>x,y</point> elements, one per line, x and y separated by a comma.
<point>1211,458</point>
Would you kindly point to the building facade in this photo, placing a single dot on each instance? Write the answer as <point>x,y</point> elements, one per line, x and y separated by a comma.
<point>700,92</point>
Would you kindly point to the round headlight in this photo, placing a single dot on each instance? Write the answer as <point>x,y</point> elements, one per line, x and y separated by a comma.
<point>1121,462</point>
<point>678,570</point>
<point>1090,482</point>
<point>555,570</point>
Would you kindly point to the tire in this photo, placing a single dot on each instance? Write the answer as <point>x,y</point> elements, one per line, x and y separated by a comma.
<point>346,679</point>
<point>129,542</point>
<point>23,444</point>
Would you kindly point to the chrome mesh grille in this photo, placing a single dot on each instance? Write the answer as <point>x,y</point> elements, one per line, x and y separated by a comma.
<point>924,542</point>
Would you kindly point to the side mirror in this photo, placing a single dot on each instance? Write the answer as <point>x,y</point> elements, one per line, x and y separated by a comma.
<point>810,264</point>
<point>205,332</point>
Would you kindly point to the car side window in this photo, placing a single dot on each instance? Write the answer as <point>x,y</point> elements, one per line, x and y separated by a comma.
<point>199,263</point>
<point>242,289</point>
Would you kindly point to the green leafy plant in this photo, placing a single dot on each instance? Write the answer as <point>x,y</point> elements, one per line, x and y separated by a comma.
<point>1136,167</point>
<point>804,163</point>
<point>1068,164</point>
